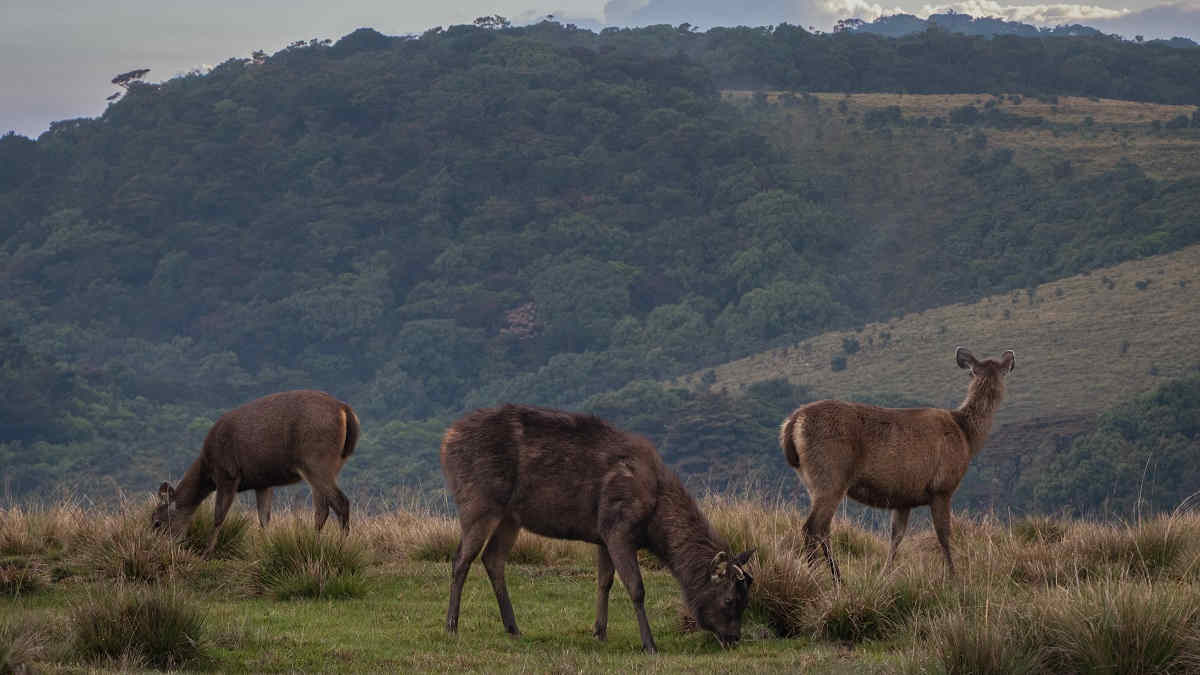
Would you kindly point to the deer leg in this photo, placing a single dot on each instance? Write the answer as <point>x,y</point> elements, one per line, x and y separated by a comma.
<point>899,525</point>
<point>939,508</point>
<point>262,498</point>
<point>604,582</point>
<point>326,495</point>
<point>224,500</point>
<point>320,510</point>
<point>474,535</point>
<point>816,531</point>
<point>624,558</point>
<point>494,557</point>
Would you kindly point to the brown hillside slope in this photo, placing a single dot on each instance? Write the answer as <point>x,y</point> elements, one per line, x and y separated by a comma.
<point>1083,344</point>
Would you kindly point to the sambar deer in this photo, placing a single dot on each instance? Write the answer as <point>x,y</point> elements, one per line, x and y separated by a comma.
<point>574,476</point>
<point>278,439</point>
<point>891,458</point>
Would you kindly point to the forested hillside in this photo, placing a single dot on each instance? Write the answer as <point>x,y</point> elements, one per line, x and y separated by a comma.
<point>423,225</point>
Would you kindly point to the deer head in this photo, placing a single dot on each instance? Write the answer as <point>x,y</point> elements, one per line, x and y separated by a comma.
<point>719,603</point>
<point>164,513</point>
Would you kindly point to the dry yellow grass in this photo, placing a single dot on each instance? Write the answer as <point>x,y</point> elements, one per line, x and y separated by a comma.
<point>1070,594</point>
<point>1118,129</point>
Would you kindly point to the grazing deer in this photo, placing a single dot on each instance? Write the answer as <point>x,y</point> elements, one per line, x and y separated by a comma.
<point>275,440</point>
<point>891,458</point>
<point>572,476</point>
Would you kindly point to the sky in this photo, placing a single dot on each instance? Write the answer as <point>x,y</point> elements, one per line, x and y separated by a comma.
<point>57,57</point>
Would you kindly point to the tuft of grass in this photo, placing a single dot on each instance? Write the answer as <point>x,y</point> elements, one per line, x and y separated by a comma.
<point>38,531</point>
<point>1122,627</point>
<point>297,562</point>
<point>1034,529</point>
<point>871,607</point>
<point>23,643</point>
<point>152,625</point>
<point>961,641</point>
<point>123,547</point>
<point>232,540</point>
<point>435,540</point>
<point>19,576</point>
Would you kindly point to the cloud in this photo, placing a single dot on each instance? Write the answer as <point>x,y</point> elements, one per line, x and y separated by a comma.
<point>1041,15</point>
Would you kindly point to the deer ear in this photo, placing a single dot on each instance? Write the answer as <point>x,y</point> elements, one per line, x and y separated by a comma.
<point>166,493</point>
<point>744,558</point>
<point>719,566</point>
<point>964,358</point>
<point>1008,362</point>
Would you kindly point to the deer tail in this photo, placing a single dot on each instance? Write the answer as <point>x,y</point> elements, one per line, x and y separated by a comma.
<point>787,440</point>
<point>351,431</point>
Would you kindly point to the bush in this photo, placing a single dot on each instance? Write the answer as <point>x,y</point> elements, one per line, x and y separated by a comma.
<point>837,363</point>
<point>297,562</point>
<point>153,625</point>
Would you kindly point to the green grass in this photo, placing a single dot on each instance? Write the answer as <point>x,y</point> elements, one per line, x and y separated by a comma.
<point>910,619</point>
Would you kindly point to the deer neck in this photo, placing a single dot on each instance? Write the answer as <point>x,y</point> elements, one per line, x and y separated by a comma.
<point>978,409</point>
<point>683,539</point>
<point>193,488</point>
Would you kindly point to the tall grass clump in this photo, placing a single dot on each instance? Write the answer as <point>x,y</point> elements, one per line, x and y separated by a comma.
<point>38,531</point>
<point>23,643</point>
<point>232,540</point>
<point>298,562</point>
<point>124,547</point>
<point>151,625</point>
<point>960,641</point>
<point>19,576</point>
<point>873,606</point>
<point>1121,627</point>
<point>1038,529</point>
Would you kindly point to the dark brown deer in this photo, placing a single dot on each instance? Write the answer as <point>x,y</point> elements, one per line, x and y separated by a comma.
<point>891,458</point>
<point>275,440</point>
<point>572,476</point>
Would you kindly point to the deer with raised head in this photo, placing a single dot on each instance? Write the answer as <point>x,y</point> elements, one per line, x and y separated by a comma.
<point>275,440</point>
<point>572,476</point>
<point>891,458</point>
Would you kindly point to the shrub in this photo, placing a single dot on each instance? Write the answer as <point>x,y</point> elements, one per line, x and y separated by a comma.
<point>153,625</point>
<point>297,562</point>
<point>837,363</point>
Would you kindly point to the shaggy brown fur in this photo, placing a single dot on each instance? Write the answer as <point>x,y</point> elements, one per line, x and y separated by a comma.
<point>275,440</point>
<point>572,476</point>
<point>891,458</point>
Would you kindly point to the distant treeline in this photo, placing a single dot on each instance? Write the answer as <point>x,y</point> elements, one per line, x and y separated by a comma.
<point>925,62</point>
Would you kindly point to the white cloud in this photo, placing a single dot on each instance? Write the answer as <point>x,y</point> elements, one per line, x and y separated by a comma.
<point>858,9</point>
<point>1046,15</point>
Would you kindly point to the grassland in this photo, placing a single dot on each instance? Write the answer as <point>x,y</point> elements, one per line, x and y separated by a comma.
<point>1027,593</point>
<point>1093,133</point>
